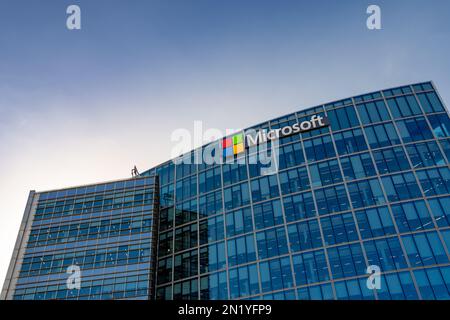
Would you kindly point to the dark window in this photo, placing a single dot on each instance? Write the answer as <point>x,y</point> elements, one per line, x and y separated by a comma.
<point>319,148</point>
<point>430,102</point>
<point>404,106</point>
<point>358,166</point>
<point>304,235</point>
<point>343,118</point>
<point>332,199</point>
<point>391,160</point>
<point>425,154</point>
<point>375,222</point>
<point>299,207</point>
<point>414,129</point>
<point>382,135</point>
<point>325,173</point>
<point>401,187</point>
<point>373,112</point>
<point>271,243</point>
<point>350,141</point>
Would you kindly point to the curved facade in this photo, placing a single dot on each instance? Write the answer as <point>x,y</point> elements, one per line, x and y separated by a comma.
<point>372,188</point>
<point>367,187</point>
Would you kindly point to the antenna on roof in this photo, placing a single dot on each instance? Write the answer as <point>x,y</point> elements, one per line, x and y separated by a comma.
<point>134,172</point>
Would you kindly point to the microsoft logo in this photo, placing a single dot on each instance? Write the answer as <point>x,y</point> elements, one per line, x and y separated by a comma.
<point>233,145</point>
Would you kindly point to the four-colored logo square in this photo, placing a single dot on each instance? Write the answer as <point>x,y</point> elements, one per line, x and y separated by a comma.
<point>233,145</point>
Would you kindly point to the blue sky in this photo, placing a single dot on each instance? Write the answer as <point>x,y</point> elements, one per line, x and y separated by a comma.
<point>84,106</point>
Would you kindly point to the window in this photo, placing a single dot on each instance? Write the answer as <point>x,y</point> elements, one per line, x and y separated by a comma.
<point>185,264</point>
<point>433,283</point>
<point>422,87</point>
<point>441,213</point>
<point>186,290</point>
<point>243,281</point>
<point>294,180</point>
<point>239,221</point>
<point>440,123</point>
<point>210,203</point>
<point>366,193</point>
<point>186,211</point>
<point>424,249</point>
<point>310,267</point>
<point>276,274</point>
<point>304,235</point>
<point>332,199</point>
<point>446,236</point>
<point>165,270</point>
<point>355,289</point>
<point>241,250</point>
<point>414,129</point>
<point>166,173</point>
<point>346,261</point>
<point>186,188</point>
<point>350,141</point>
<point>435,181</point>
<point>358,166</point>
<point>325,173</point>
<point>391,160</point>
<point>165,243</point>
<point>319,148</point>
<point>405,106</point>
<point>271,243</point>
<point>236,196</point>
<point>430,102</point>
<point>291,156</point>
<point>214,286</point>
<point>382,135</point>
<point>209,180</point>
<point>268,214</point>
<point>186,237</point>
<point>167,196</point>
<point>339,228</point>
<point>385,253</point>
<point>445,144</point>
<point>319,292</point>
<point>186,166</point>
<point>264,188</point>
<point>374,222</point>
<point>280,295</point>
<point>425,154</point>
<point>260,163</point>
<point>233,173</point>
<point>368,97</point>
<point>397,286</point>
<point>299,207</point>
<point>397,91</point>
<point>343,118</point>
<point>212,257</point>
<point>372,112</point>
<point>211,229</point>
<point>401,187</point>
<point>412,216</point>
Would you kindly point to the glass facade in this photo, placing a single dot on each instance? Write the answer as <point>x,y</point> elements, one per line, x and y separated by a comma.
<point>107,230</point>
<point>371,188</point>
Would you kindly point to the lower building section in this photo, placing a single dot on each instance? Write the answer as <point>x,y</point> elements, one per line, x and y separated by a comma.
<point>89,242</point>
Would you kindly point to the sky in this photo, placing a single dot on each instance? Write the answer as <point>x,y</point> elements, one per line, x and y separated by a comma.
<point>85,106</point>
